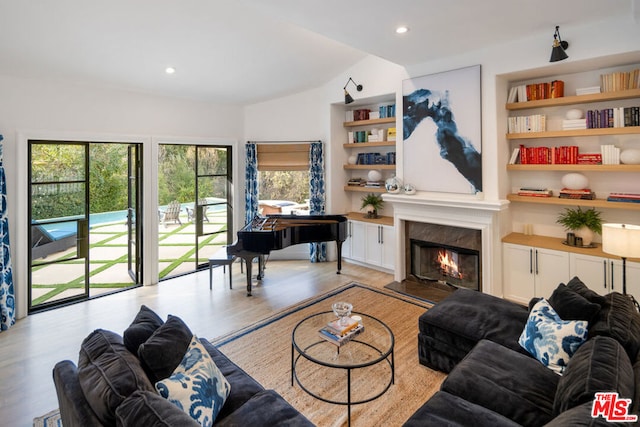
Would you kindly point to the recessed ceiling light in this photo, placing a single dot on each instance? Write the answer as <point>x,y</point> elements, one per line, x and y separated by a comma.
<point>402,29</point>
<point>169,70</point>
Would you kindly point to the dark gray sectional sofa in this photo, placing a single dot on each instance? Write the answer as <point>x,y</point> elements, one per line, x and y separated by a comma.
<point>493,381</point>
<point>113,383</point>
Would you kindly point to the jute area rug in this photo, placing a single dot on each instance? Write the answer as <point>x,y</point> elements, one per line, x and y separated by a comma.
<point>263,350</point>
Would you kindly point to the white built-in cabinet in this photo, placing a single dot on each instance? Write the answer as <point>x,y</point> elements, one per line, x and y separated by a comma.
<point>535,265</point>
<point>604,275</point>
<point>531,271</point>
<point>371,242</point>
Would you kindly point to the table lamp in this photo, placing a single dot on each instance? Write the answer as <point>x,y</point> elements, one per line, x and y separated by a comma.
<point>622,240</point>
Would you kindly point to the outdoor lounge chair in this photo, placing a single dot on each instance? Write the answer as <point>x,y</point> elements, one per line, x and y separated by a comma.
<point>57,239</point>
<point>191,213</point>
<point>172,213</point>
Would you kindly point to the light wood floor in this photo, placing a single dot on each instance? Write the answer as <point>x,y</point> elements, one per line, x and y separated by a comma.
<point>30,349</point>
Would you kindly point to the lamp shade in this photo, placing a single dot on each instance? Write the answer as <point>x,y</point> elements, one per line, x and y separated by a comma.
<point>622,240</point>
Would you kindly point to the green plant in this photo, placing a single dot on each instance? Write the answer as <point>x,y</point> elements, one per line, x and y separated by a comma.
<point>374,200</point>
<point>576,218</point>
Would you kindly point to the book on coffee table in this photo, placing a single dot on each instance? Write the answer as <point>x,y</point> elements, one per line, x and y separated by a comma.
<point>339,340</point>
<point>341,326</point>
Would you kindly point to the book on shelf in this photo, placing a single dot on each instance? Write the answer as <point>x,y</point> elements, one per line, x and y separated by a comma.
<point>563,155</point>
<point>374,184</point>
<point>391,134</point>
<point>588,90</point>
<point>339,340</point>
<point>622,199</point>
<point>535,192</point>
<point>610,154</point>
<point>625,195</point>
<point>525,124</point>
<point>536,91</point>
<point>589,158</point>
<point>620,80</point>
<point>584,194</point>
<point>574,124</point>
<point>356,182</point>
<point>515,156</point>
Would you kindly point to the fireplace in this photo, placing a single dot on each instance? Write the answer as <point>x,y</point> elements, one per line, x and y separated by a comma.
<point>465,222</point>
<point>450,265</point>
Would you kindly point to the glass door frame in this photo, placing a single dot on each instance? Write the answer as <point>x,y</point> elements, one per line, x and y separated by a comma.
<point>82,221</point>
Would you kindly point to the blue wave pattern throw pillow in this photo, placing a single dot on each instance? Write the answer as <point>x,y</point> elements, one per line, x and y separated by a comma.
<point>196,386</point>
<point>550,339</point>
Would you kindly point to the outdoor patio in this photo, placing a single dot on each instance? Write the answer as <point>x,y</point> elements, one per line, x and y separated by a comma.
<point>109,263</point>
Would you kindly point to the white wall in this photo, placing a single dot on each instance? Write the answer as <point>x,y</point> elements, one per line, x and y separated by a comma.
<point>48,109</point>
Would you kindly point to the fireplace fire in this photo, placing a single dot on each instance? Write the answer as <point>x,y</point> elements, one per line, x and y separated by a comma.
<point>451,265</point>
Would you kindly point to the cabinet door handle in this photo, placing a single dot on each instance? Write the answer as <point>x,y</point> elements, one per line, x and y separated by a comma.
<point>530,261</point>
<point>536,262</point>
<point>381,235</point>
<point>604,271</point>
<point>611,265</point>
<point>350,229</point>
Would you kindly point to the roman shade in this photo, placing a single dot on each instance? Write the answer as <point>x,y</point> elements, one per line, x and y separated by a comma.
<point>279,157</point>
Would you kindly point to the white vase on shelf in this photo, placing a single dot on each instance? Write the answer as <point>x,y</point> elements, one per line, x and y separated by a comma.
<point>586,234</point>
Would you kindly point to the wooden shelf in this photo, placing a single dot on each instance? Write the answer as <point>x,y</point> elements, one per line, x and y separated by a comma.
<point>576,99</point>
<point>555,243</point>
<point>370,167</point>
<point>597,203</point>
<point>575,168</point>
<point>359,216</point>
<point>369,144</point>
<point>630,130</point>
<point>370,122</point>
<point>364,189</point>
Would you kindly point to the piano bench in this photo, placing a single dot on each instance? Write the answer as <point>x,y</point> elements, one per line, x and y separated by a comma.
<point>221,258</point>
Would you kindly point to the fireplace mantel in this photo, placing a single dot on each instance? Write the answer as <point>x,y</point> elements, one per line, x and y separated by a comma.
<point>460,211</point>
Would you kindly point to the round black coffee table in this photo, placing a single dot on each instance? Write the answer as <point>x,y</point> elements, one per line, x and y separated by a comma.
<point>374,345</point>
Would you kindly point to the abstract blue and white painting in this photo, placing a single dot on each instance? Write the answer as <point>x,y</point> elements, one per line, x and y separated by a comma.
<point>442,131</point>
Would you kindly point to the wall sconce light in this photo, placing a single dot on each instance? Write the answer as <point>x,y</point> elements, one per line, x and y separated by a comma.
<point>558,52</point>
<point>348,99</point>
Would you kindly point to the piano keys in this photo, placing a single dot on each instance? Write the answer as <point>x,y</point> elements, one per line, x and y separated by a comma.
<point>266,233</point>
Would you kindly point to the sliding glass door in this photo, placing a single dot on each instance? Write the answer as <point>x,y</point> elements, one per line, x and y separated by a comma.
<point>84,199</point>
<point>195,205</point>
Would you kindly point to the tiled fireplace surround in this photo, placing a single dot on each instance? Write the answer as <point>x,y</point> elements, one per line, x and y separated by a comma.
<point>411,213</point>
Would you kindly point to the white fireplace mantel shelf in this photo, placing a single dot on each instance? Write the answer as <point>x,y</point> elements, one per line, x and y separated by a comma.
<point>462,202</point>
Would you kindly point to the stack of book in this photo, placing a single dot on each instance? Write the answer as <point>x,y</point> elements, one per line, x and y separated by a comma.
<point>570,124</point>
<point>535,192</point>
<point>374,184</point>
<point>584,194</point>
<point>339,334</point>
<point>588,90</point>
<point>624,197</point>
<point>356,182</point>
<point>590,159</point>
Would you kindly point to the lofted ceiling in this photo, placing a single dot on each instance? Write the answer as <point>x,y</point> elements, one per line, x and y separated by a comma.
<point>246,51</point>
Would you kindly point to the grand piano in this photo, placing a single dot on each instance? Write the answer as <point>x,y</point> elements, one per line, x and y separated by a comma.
<point>267,233</point>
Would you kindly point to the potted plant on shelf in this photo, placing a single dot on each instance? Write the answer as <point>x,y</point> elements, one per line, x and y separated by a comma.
<point>371,203</point>
<point>583,222</point>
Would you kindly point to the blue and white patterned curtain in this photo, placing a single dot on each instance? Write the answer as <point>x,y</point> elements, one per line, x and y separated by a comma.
<point>7,295</point>
<point>317,196</point>
<point>251,182</point>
